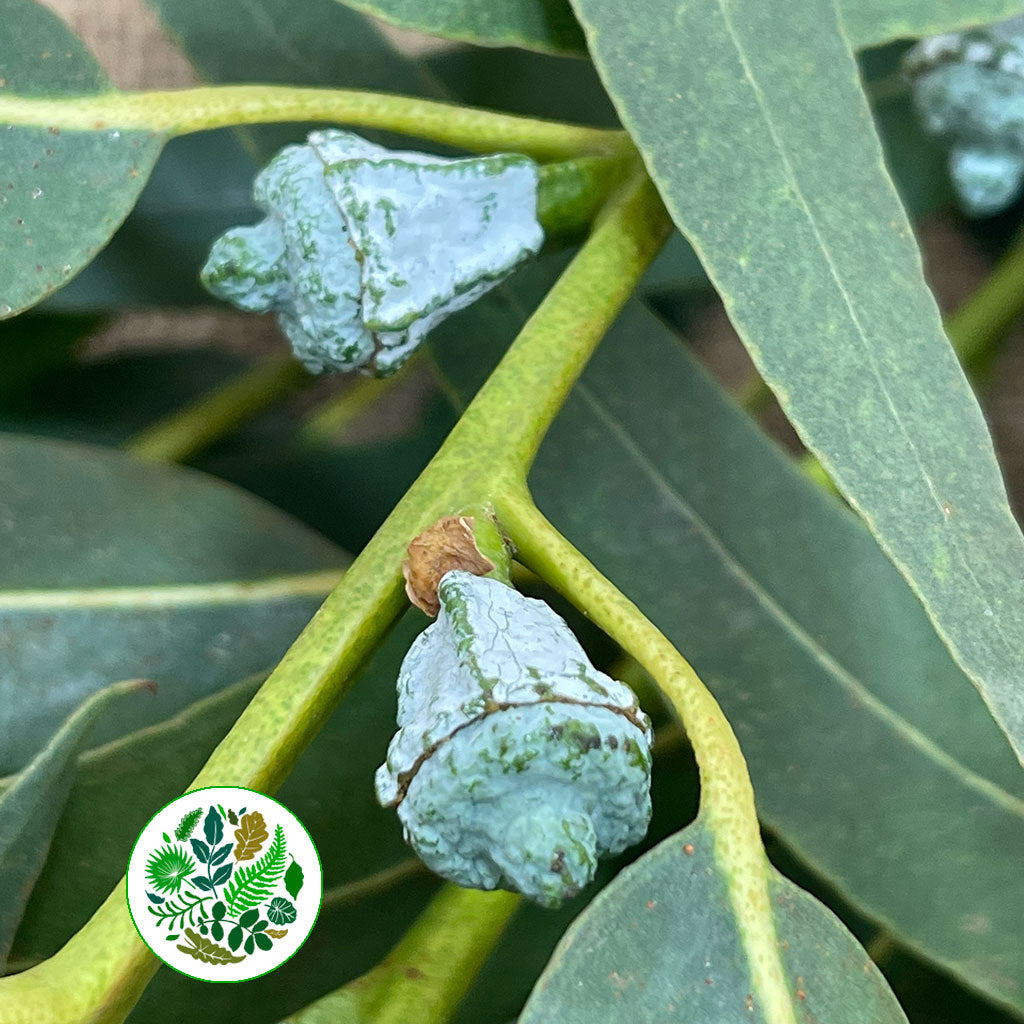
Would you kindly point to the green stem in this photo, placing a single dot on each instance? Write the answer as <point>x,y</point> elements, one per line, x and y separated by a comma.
<point>180,112</point>
<point>183,433</point>
<point>373,885</point>
<point>727,798</point>
<point>99,974</point>
<point>427,974</point>
<point>331,416</point>
<point>981,322</point>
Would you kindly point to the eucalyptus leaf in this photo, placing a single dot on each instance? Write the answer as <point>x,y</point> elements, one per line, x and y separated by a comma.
<point>62,193</point>
<point>660,943</point>
<point>544,25</point>
<point>548,26</point>
<point>803,630</point>
<point>781,201</point>
<point>200,186</point>
<point>113,568</point>
<point>31,806</point>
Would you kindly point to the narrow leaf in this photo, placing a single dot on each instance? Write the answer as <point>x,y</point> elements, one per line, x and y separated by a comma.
<point>31,807</point>
<point>213,827</point>
<point>660,943</point>
<point>803,629</point>
<point>548,26</point>
<point>201,850</point>
<point>783,203</point>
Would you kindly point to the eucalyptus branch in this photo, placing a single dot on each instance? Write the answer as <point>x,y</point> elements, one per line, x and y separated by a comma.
<point>727,798</point>
<point>101,971</point>
<point>183,111</point>
<point>183,433</point>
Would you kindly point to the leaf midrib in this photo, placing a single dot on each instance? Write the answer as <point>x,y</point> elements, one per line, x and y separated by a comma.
<point>175,595</point>
<point>859,331</point>
<point>846,679</point>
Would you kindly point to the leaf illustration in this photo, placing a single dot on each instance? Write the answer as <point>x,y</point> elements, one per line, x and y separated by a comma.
<point>281,911</point>
<point>188,824</point>
<point>207,950</point>
<point>254,883</point>
<point>153,898</point>
<point>262,940</point>
<point>248,919</point>
<point>251,836</point>
<point>293,879</point>
<point>221,854</point>
<point>213,826</point>
<point>217,931</point>
<point>235,937</point>
<point>175,911</point>
<point>201,850</point>
<point>250,944</point>
<point>167,867</point>
<point>232,817</point>
<point>222,874</point>
<point>277,933</point>
<point>201,883</point>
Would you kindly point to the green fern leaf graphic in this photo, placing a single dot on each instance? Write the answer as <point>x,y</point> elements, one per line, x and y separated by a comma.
<point>254,883</point>
<point>187,824</point>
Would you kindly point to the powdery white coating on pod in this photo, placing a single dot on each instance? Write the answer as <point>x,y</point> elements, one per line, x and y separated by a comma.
<point>516,763</point>
<point>969,92</point>
<point>364,250</point>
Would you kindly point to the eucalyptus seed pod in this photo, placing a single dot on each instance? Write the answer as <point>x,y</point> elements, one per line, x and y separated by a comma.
<point>516,763</point>
<point>365,249</point>
<point>969,92</point>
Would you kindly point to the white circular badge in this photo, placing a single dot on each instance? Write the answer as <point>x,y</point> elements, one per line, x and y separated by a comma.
<point>224,884</point>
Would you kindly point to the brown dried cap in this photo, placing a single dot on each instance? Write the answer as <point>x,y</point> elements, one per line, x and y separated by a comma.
<point>448,544</point>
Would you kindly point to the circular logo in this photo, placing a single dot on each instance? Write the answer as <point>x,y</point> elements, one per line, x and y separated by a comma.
<point>224,884</point>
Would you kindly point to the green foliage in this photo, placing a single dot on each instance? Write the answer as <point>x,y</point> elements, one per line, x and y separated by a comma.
<point>168,867</point>
<point>53,223</point>
<point>685,951</point>
<point>188,824</point>
<point>31,806</point>
<point>885,785</point>
<point>253,883</point>
<point>751,179</point>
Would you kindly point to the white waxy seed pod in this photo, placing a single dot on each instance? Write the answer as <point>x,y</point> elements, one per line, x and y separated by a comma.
<point>969,92</point>
<point>516,763</point>
<point>364,250</point>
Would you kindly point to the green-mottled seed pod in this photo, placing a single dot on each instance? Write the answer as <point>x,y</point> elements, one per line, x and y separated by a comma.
<point>516,763</point>
<point>364,250</point>
<point>969,92</point>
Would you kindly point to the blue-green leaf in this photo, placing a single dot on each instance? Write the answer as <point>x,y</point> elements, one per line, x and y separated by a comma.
<point>792,213</point>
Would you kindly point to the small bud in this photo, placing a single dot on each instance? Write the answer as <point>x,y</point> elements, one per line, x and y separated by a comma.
<point>516,763</point>
<point>969,92</point>
<point>364,250</point>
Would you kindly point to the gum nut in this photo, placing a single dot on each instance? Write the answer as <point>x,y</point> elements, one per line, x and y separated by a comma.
<point>986,180</point>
